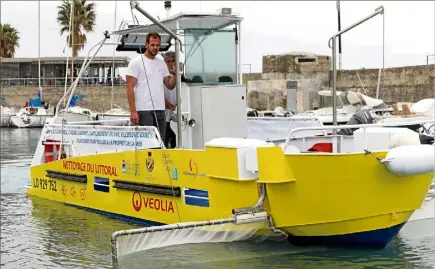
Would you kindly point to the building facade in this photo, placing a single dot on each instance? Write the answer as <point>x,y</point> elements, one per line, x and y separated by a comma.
<point>24,71</point>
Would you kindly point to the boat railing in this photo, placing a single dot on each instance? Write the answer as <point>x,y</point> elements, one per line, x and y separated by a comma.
<point>332,45</point>
<point>291,136</point>
<point>56,81</point>
<point>85,65</point>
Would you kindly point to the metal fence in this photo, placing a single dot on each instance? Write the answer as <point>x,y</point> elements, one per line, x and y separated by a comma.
<point>60,81</point>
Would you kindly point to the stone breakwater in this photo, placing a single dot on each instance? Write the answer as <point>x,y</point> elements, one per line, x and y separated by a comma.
<point>96,98</point>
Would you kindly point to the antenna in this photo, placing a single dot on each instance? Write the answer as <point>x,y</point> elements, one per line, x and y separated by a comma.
<point>168,5</point>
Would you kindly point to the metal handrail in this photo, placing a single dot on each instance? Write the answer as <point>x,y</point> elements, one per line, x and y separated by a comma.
<point>353,126</point>
<point>379,10</point>
<point>24,79</point>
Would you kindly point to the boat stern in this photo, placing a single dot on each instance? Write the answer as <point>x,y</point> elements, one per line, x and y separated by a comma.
<point>338,199</point>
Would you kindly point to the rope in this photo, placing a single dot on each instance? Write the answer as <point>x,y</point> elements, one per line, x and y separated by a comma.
<point>157,122</point>
<point>376,157</point>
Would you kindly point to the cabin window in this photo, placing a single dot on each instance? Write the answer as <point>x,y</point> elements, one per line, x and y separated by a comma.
<point>210,56</point>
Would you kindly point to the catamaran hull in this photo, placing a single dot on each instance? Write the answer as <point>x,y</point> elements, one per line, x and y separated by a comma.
<point>32,121</point>
<point>169,186</point>
<point>369,239</point>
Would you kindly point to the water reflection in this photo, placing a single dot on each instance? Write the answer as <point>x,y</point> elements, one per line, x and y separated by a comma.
<point>71,236</point>
<point>17,144</point>
<point>37,233</point>
<point>271,255</point>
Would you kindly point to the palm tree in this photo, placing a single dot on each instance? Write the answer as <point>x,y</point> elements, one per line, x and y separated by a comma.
<point>83,21</point>
<point>9,40</point>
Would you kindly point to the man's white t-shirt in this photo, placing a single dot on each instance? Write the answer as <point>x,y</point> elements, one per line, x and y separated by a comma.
<point>171,96</point>
<point>156,71</point>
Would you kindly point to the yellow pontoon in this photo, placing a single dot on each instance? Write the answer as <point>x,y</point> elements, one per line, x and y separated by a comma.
<point>328,189</point>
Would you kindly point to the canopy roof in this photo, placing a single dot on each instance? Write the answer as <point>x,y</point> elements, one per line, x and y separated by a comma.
<point>133,38</point>
<point>186,21</point>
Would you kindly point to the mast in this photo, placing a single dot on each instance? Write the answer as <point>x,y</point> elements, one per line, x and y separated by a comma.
<point>39,49</point>
<point>113,59</point>
<point>339,38</point>
<point>72,41</point>
<point>67,53</point>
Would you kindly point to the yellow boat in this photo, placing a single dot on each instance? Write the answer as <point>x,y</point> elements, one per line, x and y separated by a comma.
<point>330,190</point>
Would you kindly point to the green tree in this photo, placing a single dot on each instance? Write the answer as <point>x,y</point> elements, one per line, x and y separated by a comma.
<point>9,40</point>
<point>83,20</point>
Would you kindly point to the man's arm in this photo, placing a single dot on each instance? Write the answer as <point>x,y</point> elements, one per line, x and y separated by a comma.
<point>131,79</point>
<point>168,105</point>
<point>170,81</point>
<point>169,78</point>
<point>131,82</point>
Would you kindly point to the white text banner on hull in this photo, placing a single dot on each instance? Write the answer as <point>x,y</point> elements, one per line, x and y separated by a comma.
<point>88,140</point>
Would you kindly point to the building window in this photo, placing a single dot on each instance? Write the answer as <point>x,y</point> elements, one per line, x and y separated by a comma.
<point>303,60</point>
<point>292,84</point>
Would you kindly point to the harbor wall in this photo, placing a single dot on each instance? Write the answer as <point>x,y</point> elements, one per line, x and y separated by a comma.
<point>96,98</point>
<point>290,80</point>
<point>311,73</point>
<point>398,84</point>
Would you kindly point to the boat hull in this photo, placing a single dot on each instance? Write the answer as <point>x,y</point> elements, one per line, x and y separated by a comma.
<point>199,185</point>
<point>31,121</point>
<point>81,118</point>
<point>6,120</point>
<point>114,120</point>
<point>378,238</point>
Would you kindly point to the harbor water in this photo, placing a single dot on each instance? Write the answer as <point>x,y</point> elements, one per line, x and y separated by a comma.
<point>36,233</point>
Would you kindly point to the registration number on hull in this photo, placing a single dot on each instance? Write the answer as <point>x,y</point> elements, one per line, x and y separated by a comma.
<point>44,184</point>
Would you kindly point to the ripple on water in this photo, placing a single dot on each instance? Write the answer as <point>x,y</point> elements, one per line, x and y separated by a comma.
<point>36,233</point>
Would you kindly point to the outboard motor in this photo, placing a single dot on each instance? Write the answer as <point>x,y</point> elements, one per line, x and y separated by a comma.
<point>361,117</point>
<point>426,139</point>
<point>253,113</point>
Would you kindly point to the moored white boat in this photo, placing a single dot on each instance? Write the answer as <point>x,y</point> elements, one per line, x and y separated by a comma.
<point>31,117</point>
<point>114,117</point>
<point>77,114</point>
<point>6,114</point>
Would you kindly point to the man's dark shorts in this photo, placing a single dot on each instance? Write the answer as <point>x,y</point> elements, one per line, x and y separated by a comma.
<point>147,118</point>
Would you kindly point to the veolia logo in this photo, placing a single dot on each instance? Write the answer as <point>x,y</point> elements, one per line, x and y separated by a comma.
<point>136,201</point>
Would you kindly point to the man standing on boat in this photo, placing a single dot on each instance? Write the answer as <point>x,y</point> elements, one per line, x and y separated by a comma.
<point>170,102</point>
<point>147,77</point>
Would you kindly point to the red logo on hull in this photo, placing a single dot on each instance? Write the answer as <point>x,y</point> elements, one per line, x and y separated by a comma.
<point>136,201</point>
